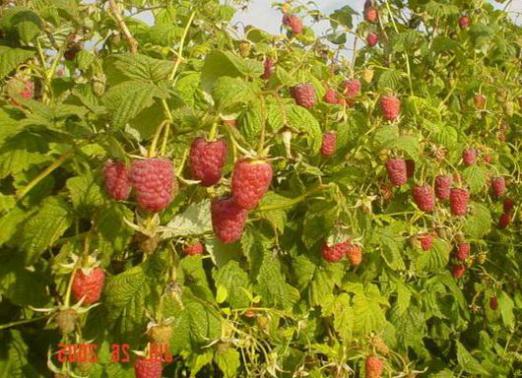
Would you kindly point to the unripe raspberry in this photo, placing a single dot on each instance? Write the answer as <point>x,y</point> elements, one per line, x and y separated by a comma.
<point>372,39</point>
<point>371,14</point>
<point>469,156</point>
<point>498,186</point>
<point>424,198</point>
<point>228,219</point>
<point>397,171</point>
<point>330,96</point>
<point>117,180</point>
<point>426,241</point>
<point>160,334</point>
<point>268,68</point>
<point>193,249</point>
<point>493,303</point>
<point>294,23</point>
<point>329,144</point>
<point>459,199</point>
<point>207,160</point>
<point>504,220</point>
<point>334,252</point>
<point>354,254</point>
<point>374,367</point>
<point>390,107</point>
<point>250,181</point>
<point>148,367</point>
<point>66,320</point>
<point>352,88</point>
<point>508,205</point>
<point>304,95</point>
<point>153,181</point>
<point>88,285</point>
<point>464,22</point>
<point>462,252</point>
<point>458,270</point>
<point>479,100</point>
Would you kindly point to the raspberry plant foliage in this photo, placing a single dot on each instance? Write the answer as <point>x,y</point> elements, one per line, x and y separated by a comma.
<point>87,86</point>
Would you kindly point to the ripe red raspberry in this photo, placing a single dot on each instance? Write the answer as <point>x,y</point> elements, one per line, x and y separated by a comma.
<point>390,107</point>
<point>117,181</point>
<point>469,156</point>
<point>397,171</point>
<point>459,199</point>
<point>464,22</point>
<point>498,186</point>
<point>504,220</point>
<point>508,205</point>
<point>250,181</point>
<point>443,186</point>
<point>479,100</point>
<point>371,14</point>
<point>194,249</point>
<point>410,168</point>
<point>458,270</point>
<point>424,197</point>
<point>330,96</point>
<point>148,368</point>
<point>334,252</point>
<point>228,219</point>
<point>374,367</point>
<point>372,39</point>
<point>426,241</point>
<point>329,144</point>
<point>294,23</point>
<point>28,90</point>
<point>354,254</point>
<point>493,303</point>
<point>153,180</point>
<point>88,286</point>
<point>269,68</point>
<point>462,252</point>
<point>352,88</point>
<point>207,160</point>
<point>304,95</point>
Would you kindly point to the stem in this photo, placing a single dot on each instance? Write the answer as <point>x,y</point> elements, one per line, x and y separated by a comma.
<point>155,138</point>
<point>213,132</point>
<point>133,44</point>
<point>263,129</point>
<point>180,49</point>
<point>44,174</point>
<point>20,322</point>
<point>69,286</point>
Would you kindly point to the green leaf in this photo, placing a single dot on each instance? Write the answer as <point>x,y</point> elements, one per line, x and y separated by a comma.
<point>235,281</point>
<point>138,67</point>
<point>42,230</point>
<point>478,222</point>
<point>390,79</point>
<point>195,220</point>
<point>228,361</point>
<point>10,58</point>
<point>302,120</point>
<point>506,306</point>
<point>342,16</point>
<point>228,92</point>
<point>21,23</point>
<point>366,303</point>
<point>84,191</point>
<point>475,177</point>
<point>468,363</point>
<point>435,259</point>
<point>21,152</point>
<point>14,363</point>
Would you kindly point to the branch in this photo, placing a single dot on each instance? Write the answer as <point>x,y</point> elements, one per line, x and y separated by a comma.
<point>133,44</point>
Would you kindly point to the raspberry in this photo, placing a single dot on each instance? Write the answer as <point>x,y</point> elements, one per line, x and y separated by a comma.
<point>294,23</point>
<point>493,303</point>
<point>28,90</point>
<point>250,181</point>
<point>479,100</point>
<point>331,96</point>
<point>228,219</point>
<point>390,107</point>
<point>458,270</point>
<point>469,156</point>
<point>371,14</point>
<point>488,159</point>
<point>72,50</point>
<point>117,181</point>
<point>374,367</point>
<point>148,368</point>
<point>354,254</point>
<point>397,171</point>
<point>269,68</point>
<point>194,249</point>
<point>464,22</point>
<point>498,186</point>
<point>334,252</point>
<point>153,180</point>
<point>88,286</point>
<point>66,320</point>
<point>504,220</point>
<point>426,241</point>
<point>508,205</point>
<point>352,88</point>
<point>372,39</point>
<point>207,160</point>
<point>424,198</point>
<point>410,168</point>
<point>459,198</point>
<point>160,334</point>
<point>462,252</point>
<point>304,95</point>
<point>329,144</point>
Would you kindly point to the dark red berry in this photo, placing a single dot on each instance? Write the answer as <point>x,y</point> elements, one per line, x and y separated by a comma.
<point>117,180</point>
<point>352,88</point>
<point>426,241</point>
<point>498,186</point>
<point>329,144</point>
<point>372,39</point>
<point>504,220</point>
<point>508,205</point>
<point>294,23</point>
<point>304,95</point>
<point>469,156</point>
<point>371,14</point>
<point>268,68</point>
<point>153,181</point>
<point>88,285</point>
<point>424,197</point>
<point>397,171</point>
<point>250,181</point>
<point>148,367</point>
<point>458,270</point>
<point>228,219</point>
<point>464,22</point>
<point>459,199</point>
<point>493,303</point>
<point>390,107</point>
<point>331,96</point>
<point>443,186</point>
<point>193,249</point>
<point>335,252</point>
<point>207,160</point>
<point>462,252</point>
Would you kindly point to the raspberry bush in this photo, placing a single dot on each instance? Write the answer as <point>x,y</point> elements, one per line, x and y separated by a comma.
<point>260,205</point>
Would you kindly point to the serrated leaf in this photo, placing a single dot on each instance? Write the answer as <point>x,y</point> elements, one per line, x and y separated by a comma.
<point>84,191</point>
<point>235,281</point>
<point>302,120</point>
<point>478,222</point>
<point>138,67</point>
<point>10,58</point>
<point>389,79</point>
<point>229,92</point>
<point>435,259</point>
<point>475,177</point>
<point>506,306</point>
<point>195,220</point>
<point>228,362</point>
<point>468,363</point>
